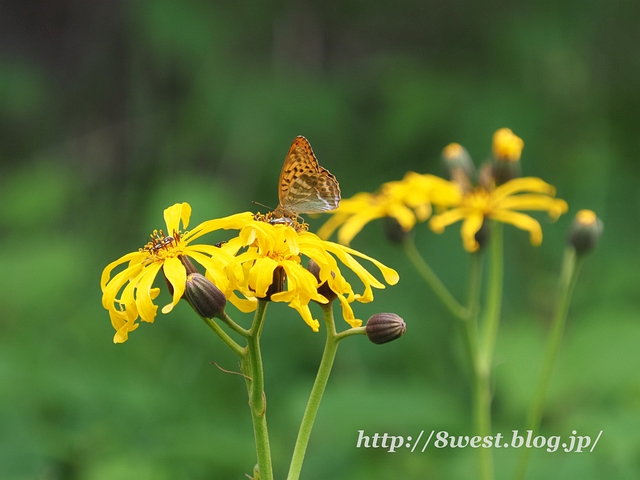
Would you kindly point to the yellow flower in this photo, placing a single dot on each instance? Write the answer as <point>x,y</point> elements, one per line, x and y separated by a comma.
<point>507,145</point>
<point>501,204</point>
<point>164,251</point>
<point>270,246</point>
<point>408,201</point>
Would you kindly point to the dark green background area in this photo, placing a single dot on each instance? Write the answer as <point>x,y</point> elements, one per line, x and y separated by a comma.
<point>112,111</point>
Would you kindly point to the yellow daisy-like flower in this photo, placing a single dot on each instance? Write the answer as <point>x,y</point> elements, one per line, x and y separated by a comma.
<point>272,246</point>
<point>501,204</point>
<point>408,201</point>
<point>164,251</point>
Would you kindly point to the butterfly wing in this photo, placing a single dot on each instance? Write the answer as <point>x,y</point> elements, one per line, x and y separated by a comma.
<point>313,193</point>
<point>305,186</point>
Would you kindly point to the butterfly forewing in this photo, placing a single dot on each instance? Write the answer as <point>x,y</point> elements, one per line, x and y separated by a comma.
<point>305,186</point>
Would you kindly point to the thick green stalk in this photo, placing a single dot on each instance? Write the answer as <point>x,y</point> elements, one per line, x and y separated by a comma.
<point>494,298</point>
<point>329,355</point>
<point>489,330</point>
<point>482,421</point>
<point>568,278</point>
<point>480,385</point>
<point>469,325</point>
<point>254,375</point>
<point>433,281</point>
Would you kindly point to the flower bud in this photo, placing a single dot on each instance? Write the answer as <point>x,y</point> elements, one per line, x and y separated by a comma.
<point>483,235</point>
<point>485,177</point>
<point>393,230</point>
<point>385,327</point>
<point>459,166</point>
<point>205,298</point>
<point>323,289</point>
<point>585,231</point>
<point>507,149</point>
<point>507,146</point>
<point>188,266</point>
<point>277,285</point>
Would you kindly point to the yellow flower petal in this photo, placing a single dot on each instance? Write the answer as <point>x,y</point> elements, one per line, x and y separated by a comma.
<point>175,213</point>
<point>554,206</point>
<point>524,184</point>
<point>347,313</point>
<point>133,258</point>
<point>233,222</point>
<point>389,274</point>
<point>354,225</point>
<point>111,289</point>
<point>261,276</point>
<point>405,216</point>
<point>145,306</point>
<point>439,222</point>
<point>305,313</point>
<point>177,275</point>
<point>523,222</point>
<point>472,223</point>
<point>242,304</point>
<point>331,225</point>
<point>122,333</point>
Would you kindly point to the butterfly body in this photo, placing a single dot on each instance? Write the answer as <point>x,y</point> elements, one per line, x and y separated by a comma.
<point>305,186</point>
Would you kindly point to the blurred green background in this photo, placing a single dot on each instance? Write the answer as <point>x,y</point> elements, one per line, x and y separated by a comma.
<point>111,111</point>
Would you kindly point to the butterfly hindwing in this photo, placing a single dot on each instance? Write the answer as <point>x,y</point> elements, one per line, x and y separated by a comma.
<point>305,186</point>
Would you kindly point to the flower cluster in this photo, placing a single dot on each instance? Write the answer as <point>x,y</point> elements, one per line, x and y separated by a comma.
<point>496,192</point>
<point>246,263</point>
<point>408,201</point>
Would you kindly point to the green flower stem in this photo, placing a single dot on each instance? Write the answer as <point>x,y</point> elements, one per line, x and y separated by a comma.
<point>568,278</point>
<point>480,383</point>
<point>317,391</point>
<point>251,365</point>
<point>233,325</point>
<point>469,325</point>
<point>475,281</point>
<point>482,420</point>
<point>487,339</point>
<point>350,332</point>
<point>235,348</point>
<point>494,299</point>
<point>433,281</point>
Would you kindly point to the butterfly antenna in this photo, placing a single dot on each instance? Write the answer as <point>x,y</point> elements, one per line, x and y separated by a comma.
<point>261,204</point>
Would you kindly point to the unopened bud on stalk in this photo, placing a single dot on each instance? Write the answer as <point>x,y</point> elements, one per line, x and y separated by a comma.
<point>483,236</point>
<point>459,166</point>
<point>393,230</point>
<point>385,327</point>
<point>585,231</point>
<point>277,285</point>
<point>323,289</point>
<point>507,149</point>
<point>205,298</point>
<point>188,266</point>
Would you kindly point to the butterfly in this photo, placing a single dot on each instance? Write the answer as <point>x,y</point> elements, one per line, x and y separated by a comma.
<point>305,186</point>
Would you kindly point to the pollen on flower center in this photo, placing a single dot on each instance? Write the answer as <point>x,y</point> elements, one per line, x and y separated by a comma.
<point>278,256</point>
<point>478,199</point>
<point>161,245</point>
<point>275,218</point>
